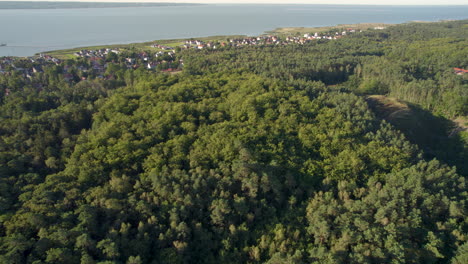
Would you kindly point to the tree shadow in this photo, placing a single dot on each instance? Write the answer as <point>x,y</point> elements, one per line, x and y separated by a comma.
<point>436,136</point>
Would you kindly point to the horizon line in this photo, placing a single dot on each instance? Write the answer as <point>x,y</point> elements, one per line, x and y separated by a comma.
<point>226,3</point>
<point>223,3</point>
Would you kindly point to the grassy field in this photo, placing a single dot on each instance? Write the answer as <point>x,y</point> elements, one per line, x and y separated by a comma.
<point>389,108</point>
<point>462,122</point>
<point>393,110</point>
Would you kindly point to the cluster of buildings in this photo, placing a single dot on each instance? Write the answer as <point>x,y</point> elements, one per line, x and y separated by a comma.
<point>158,46</point>
<point>27,66</point>
<point>259,41</point>
<point>198,44</point>
<point>163,60</point>
<point>141,59</point>
<point>5,63</point>
<point>308,37</point>
<point>96,64</point>
<point>100,53</point>
<point>268,40</point>
<point>46,58</point>
<point>253,41</point>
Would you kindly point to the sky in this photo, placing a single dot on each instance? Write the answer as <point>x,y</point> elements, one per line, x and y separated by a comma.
<point>346,2</point>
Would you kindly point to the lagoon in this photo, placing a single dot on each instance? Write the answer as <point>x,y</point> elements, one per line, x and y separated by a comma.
<point>30,31</point>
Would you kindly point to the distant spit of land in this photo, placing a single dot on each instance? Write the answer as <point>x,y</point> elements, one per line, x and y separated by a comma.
<point>302,30</point>
<point>71,5</point>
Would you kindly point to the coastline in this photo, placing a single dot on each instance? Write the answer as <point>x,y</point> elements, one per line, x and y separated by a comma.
<point>282,32</point>
<point>93,27</point>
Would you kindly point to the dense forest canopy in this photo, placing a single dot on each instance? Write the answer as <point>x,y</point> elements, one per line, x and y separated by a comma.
<point>267,154</point>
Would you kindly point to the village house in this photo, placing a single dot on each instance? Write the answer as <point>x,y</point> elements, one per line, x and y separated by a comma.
<point>164,58</point>
<point>460,71</point>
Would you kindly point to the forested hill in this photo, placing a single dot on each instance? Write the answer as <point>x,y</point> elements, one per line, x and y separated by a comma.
<point>271,154</point>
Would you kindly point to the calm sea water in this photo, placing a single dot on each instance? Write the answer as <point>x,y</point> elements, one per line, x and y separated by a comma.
<point>29,31</point>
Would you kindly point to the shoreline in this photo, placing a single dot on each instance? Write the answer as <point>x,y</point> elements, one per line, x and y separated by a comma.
<point>67,53</point>
<point>282,31</point>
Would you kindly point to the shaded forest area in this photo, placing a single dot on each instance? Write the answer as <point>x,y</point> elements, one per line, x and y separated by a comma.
<point>337,151</point>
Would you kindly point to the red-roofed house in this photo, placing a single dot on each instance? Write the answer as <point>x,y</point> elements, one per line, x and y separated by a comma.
<point>460,71</point>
